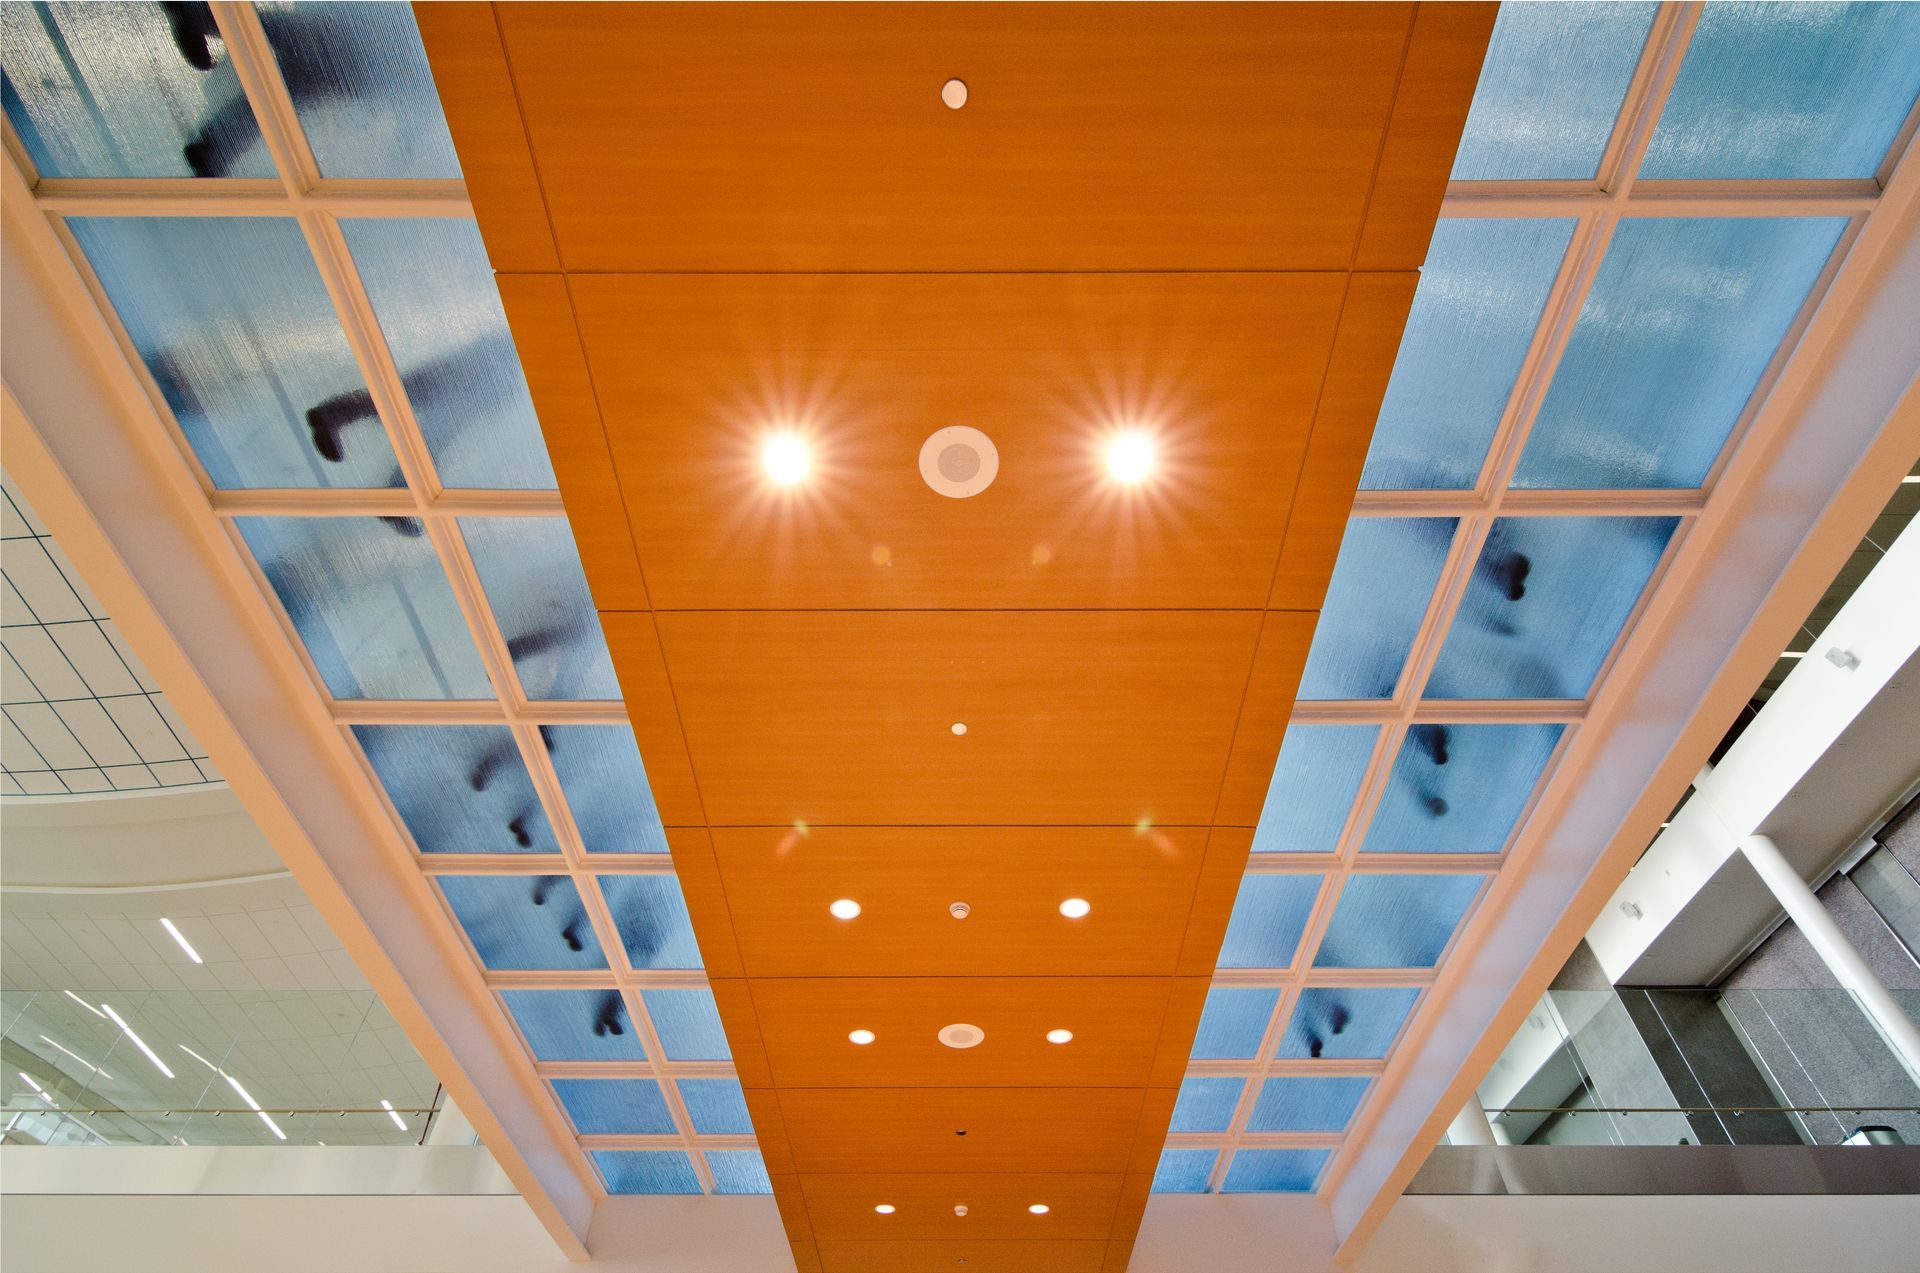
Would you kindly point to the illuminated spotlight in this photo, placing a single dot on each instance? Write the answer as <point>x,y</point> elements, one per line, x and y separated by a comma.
<point>1039,1208</point>
<point>785,458</point>
<point>1130,456</point>
<point>845,908</point>
<point>1059,1036</point>
<point>860,1038</point>
<point>1075,907</point>
<point>885,1208</point>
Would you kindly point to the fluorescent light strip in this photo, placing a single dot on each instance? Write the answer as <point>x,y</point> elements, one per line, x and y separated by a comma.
<point>196,1056</point>
<point>1794,654</point>
<point>41,1092</point>
<point>137,1040</point>
<point>252,1104</point>
<point>76,1056</point>
<point>184,943</point>
<point>83,1003</point>
<point>398,1121</point>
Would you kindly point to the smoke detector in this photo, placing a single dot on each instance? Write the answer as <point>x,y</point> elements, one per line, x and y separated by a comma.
<point>959,462</point>
<point>962,1035</point>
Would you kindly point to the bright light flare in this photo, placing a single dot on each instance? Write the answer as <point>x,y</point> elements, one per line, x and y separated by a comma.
<point>138,1042</point>
<point>845,908</point>
<point>1130,457</point>
<point>786,459</point>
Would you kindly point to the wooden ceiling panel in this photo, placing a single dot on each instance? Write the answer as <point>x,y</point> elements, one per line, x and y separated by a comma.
<point>1078,1206</point>
<point>1009,1129</point>
<point>908,1256</point>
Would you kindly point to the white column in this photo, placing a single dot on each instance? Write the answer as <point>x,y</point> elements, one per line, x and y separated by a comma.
<point>1471,1126</point>
<point>1835,951</point>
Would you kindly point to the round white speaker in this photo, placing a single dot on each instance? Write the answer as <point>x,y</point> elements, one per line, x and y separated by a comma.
<point>959,462</point>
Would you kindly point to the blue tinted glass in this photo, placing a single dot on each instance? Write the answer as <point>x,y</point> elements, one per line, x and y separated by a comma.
<point>539,596</point>
<point>1268,917</point>
<point>1314,782</point>
<point>1381,584</point>
<point>575,1025</point>
<point>1459,788</point>
<point>1274,1170</point>
<point>1395,921</point>
<point>1307,1104</point>
<point>126,90</point>
<point>1481,292</point>
<point>716,1106</point>
<point>1340,1023</point>
<point>606,787</point>
<point>688,1025</point>
<point>1233,1023</point>
<point>1184,1170</point>
<point>371,603</point>
<point>230,316</point>
<point>361,86</point>
<point>459,788</point>
<point>1546,602</point>
<point>1206,1104</point>
<point>433,292</point>
<point>646,1171</point>
<point>653,921</point>
<point>615,1106</point>
<point>1550,89</point>
<point>1683,318</point>
<point>1789,90</point>
<point>738,1171</point>
<point>523,921</point>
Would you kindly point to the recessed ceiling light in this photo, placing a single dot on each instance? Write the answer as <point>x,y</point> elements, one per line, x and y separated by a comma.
<point>885,1208</point>
<point>959,728</point>
<point>960,1210</point>
<point>1039,1208</point>
<point>961,1035</point>
<point>1075,907</point>
<point>860,1037</point>
<point>1130,456</point>
<point>959,910</point>
<point>954,94</point>
<point>785,458</point>
<point>1059,1036</point>
<point>845,908</point>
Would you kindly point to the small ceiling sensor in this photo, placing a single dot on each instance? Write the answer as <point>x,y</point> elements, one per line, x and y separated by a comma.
<point>954,94</point>
<point>845,908</point>
<point>1059,1036</point>
<point>1076,907</point>
<point>959,910</point>
<point>962,1035</point>
<point>959,462</point>
<point>960,1210</point>
<point>860,1038</point>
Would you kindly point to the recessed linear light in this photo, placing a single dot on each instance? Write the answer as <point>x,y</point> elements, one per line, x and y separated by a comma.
<point>184,943</point>
<point>393,1113</point>
<point>76,1056</point>
<point>1039,1208</point>
<point>1076,907</point>
<point>1059,1036</point>
<point>785,458</point>
<point>83,1003</point>
<point>254,1105</point>
<point>885,1208</point>
<point>1910,479</point>
<point>138,1042</point>
<point>845,908</point>
<point>860,1038</point>
<point>1794,654</point>
<point>1130,457</point>
<point>39,1091</point>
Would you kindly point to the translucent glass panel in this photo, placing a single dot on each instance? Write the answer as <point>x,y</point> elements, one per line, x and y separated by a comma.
<point>372,605</point>
<point>1342,1023</point>
<point>575,1025</point>
<point>653,922</point>
<point>523,921</point>
<point>1550,90</point>
<point>126,90</point>
<point>459,788</point>
<point>1381,584</point>
<point>737,1171</point>
<point>360,83</point>
<point>1206,1104</point>
<point>687,1023</point>
<point>434,295</point>
<point>1233,1023</point>
<point>1459,788</point>
<point>1547,600</point>
<point>1316,1104</point>
<point>1268,917</point>
<point>606,787</point>
<point>532,576</point>
<point>1184,1170</point>
<point>716,1106</point>
<point>1683,318</point>
<point>1314,782</point>
<point>1481,292</point>
<point>1274,1170</point>
<point>230,316</point>
<point>1789,90</point>
<point>1395,921</point>
<point>646,1171</point>
<point>615,1107</point>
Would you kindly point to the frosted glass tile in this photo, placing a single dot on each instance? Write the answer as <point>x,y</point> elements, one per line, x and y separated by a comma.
<point>653,922</point>
<point>1233,1023</point>
<point>575,1025</point>
<point>230,316</point>
<point>1481,292</point>
<point>1268,917</point>
<point>1395,921</point>
<point>361,86</point>
<point>1184,1170</point>
<point>1206,1104</point>
<point>606,787</point>
<point>1546,603</point>
<point>716,1106</point>
<point>1340,1023</point>
<point>459,788</point>
<point>687,1023</point>
<point>372,605</point>
<point>1314,783</point>
<point>1274,1170</point>
<point>126,90</point>
<point>641,1171</point>
<point>738,1171</point>
<point>1381,585</point>
<point>614,1107</point>
<point>1550,90</point>
<point>433,292</point>
<point>523,921</point>
<point>533,580</point>
<point>1459,788</point>
<point>1683,317</point>
<point>1307,1104</point>
<point>1789,91</point>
